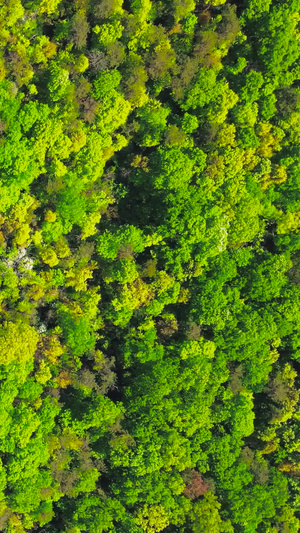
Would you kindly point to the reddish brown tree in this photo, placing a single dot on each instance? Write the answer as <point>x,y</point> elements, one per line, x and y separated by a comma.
<point>195,486</point>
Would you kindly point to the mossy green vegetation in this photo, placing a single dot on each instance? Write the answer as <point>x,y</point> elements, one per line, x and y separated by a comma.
<point>149,266</point>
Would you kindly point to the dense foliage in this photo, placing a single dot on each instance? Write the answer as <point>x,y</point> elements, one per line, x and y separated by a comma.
<point>150,266</point>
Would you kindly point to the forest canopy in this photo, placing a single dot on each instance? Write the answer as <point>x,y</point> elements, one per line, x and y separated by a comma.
<point>149,266</point>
